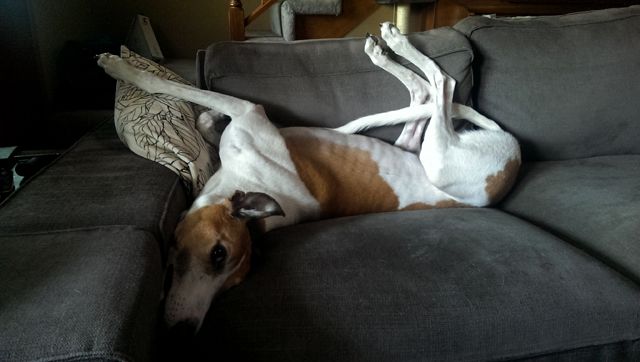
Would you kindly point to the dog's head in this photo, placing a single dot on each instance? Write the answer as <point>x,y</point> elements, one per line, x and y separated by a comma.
<point>212,253</point>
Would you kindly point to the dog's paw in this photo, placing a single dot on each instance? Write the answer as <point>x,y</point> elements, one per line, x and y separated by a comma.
<point>392,35</point>
<point>211,124</point>
<point>108,60</point>
<point>113,65</point>
<point>205,121</point>
<point>374,50</point>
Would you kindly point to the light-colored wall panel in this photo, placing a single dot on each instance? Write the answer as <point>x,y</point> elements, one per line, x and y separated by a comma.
<point>372,23</point>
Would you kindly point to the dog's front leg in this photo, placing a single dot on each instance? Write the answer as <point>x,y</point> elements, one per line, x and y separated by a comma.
<point>119,69</point>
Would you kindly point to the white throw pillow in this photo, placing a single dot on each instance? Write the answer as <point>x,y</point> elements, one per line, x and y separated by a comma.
<point>162,128</point>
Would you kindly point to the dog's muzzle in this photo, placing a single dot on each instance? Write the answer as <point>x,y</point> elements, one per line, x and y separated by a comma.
<point>183,331</point>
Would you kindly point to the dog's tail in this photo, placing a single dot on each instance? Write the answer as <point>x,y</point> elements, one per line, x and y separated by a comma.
<point>460,111</point>
<point>416,113</point>
<point>398,116</point>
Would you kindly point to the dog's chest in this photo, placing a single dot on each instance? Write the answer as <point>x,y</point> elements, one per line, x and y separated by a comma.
<point>255,158</point>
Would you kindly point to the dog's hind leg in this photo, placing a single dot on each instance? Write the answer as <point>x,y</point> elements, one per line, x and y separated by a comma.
<point>401,46</point>
<point>418,87</point>
<point>462,165</point>
<point>411,135</point>
<point>415,113</point>
<point>119,69</point>
<point>441,140</point>
<point>421,105</point>
<point>389,118</point>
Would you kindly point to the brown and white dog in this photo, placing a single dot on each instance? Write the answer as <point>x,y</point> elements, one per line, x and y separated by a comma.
<point>300,174</point>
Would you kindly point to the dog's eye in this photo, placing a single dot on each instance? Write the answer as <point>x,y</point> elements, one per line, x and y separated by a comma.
<point>218,256</point>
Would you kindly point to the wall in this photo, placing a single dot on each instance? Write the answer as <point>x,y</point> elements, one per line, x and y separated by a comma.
<point>20,77</point>
<point>181,27</point>
<point>34,34</point>
<point>372,23</point>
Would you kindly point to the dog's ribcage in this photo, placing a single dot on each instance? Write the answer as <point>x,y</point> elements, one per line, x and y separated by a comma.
<point>353,174</point>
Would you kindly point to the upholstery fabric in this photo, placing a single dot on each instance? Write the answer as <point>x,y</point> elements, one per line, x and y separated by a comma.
<point>183,67</point>
<point>275,19</point>
<point>317,7</point>
<point>98,182</point>
<point>454,284</point>
<point>565,86</point>
<point>162,128</point>
<point>288,21</point>
<point>327,82</point>
<point>199,76</point>
<point>592,203</point>
<point>282,16</point>
<point>404,1</point>
<point>90,294</point>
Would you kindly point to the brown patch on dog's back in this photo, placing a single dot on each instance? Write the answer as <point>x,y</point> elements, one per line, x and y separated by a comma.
<point>345,181</point>
<point>499,184</point>
<point>444,204</point>
<point>417,206</point>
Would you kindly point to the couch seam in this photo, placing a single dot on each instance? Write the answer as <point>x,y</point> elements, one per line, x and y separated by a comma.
<point>157,234</point>
<point>165,210</point>
<point>79,229</point>
<point>79,356</point>
<point>55,161</point>
<point>531,27</point>
<point>354,39</point>
<point>557,351</point>
<point>401,61</point>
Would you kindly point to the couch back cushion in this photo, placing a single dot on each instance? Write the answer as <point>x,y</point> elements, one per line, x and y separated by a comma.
<point>326,82</point>
<point>566,86</point>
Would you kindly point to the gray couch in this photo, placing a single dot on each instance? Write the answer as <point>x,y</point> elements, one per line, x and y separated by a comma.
<point>551,273</point>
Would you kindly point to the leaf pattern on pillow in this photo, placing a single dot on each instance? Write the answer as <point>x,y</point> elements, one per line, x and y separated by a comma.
<point>162,128</point>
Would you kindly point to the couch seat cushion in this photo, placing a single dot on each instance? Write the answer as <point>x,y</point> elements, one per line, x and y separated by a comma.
<point>593,203</point>
<point>89,294</point>
<point>98,182</point>
<point>466,284</point>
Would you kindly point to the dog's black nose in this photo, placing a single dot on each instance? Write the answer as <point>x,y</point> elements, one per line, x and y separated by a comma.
<point>179,342</point>
<point>184,331</point>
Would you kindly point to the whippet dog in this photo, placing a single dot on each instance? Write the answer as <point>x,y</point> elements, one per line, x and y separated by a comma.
<point>285,176</point>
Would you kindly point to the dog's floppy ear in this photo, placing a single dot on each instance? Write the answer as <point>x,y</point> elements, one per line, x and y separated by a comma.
<point>254,205</point>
